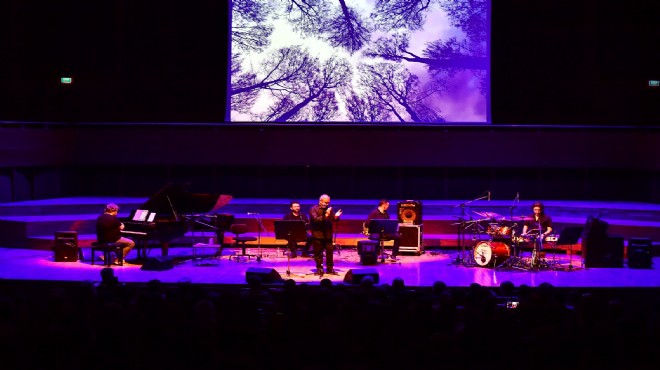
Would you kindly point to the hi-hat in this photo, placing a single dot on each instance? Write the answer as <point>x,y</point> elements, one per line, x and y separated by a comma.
<point>523,218</point>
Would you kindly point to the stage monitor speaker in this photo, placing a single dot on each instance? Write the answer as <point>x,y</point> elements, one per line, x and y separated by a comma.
<point>355,276</point>
<point>603,252</point>
<point>266,275</point>
<point>410,212</point>
<point>161,263</point>
<point>639,253</point>
<point>65,250</point>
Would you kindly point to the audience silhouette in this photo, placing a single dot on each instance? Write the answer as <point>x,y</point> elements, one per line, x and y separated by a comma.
<point>110,324</point>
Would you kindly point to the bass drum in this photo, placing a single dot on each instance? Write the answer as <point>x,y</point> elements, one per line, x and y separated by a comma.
<point>491,253</point>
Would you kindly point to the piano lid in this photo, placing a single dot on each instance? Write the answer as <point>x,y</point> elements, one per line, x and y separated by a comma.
<point>174,200</point>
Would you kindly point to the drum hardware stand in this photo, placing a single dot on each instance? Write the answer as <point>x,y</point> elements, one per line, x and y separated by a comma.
<point>460,234</point>
<point>459,240</point>
<point>514,260</point>
<point>537,263</point>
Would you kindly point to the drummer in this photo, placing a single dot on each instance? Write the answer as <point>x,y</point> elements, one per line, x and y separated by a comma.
<point>539,217</point>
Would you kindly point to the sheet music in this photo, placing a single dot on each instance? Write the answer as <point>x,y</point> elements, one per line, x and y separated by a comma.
<point>140,215</point>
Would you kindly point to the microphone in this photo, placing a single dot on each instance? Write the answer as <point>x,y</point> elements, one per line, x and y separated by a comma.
<point>489,195</point>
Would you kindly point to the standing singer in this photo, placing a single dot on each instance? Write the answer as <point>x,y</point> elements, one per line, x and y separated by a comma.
<point>321,219</point>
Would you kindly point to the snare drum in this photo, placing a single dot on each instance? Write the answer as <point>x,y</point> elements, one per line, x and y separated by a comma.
<point>491,253</point>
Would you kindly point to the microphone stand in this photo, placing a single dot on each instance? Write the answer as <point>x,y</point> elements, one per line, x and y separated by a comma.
<point>334,241</point>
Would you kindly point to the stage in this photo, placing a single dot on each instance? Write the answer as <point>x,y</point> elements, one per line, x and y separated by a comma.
<point>422,270</point>
<point>27,234</point>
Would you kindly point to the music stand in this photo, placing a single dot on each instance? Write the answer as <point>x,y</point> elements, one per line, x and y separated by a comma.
<point>383,230</point>
<point>293,231</point>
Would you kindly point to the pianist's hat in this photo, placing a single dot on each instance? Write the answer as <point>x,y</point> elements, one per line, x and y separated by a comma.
<point>111,207</point>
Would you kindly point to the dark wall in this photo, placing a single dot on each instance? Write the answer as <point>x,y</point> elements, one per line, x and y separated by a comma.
<point>453,162</point>
<point>575,62</point>
<point>553,62</point>
<point>557,63</point>
<point>131,61</point>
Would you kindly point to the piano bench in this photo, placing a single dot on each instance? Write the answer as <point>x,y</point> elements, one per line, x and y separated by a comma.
<point>107,249</point>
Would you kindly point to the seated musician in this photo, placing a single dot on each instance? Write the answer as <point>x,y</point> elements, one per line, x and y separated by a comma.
<point>381,213</point>
<point>108,229</point>
<point>539,222</point>
<point>295,214</point>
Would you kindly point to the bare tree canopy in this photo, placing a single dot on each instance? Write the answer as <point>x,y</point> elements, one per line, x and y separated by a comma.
<point>346,28</point>
<point>398,91</point>
<point>394,14</point>
<point>249,31</point>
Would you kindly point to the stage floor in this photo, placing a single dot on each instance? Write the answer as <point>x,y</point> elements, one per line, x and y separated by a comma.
<point>423,270</point>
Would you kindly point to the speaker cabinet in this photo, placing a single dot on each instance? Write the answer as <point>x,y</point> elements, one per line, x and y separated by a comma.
<point>639,253</point>
<point>411,239</point>
<point>368,250</point>
<point>65,247</point>
<point>410,212</point>
<point>603,252</point>
<point>355,276</point>
<point>161,263</point>
<point>266,275</point>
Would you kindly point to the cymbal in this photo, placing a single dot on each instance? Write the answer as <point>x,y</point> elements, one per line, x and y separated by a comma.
<point>523,218</point>
<point>489,215</point>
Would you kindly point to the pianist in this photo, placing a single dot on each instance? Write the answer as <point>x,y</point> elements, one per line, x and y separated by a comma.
<point>108,229</point>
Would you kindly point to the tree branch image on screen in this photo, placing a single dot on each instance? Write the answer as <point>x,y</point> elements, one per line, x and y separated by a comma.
<point>362,61</point>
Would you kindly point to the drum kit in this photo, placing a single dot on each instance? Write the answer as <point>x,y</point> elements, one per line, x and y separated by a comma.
<point>499,245</point>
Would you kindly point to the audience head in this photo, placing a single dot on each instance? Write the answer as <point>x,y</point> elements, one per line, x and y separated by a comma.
<point>507,287</point>
<point>108,276</point>
<point>367,282</point>
<point>439,286</point>
<point>398,284</point>
<point>326,283</point>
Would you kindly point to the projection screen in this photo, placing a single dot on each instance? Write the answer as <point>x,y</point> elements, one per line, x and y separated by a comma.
<point>359,61</point>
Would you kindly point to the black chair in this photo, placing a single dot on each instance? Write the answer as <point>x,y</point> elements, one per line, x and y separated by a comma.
<point>369,251</point>
<point>240,241</point>
<point>107,249</point>
<point>382,230</point>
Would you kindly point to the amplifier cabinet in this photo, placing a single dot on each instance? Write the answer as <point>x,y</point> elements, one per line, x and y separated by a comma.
<point>411,239</point>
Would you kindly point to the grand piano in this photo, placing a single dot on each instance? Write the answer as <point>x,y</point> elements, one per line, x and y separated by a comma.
<point>162,217</point>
